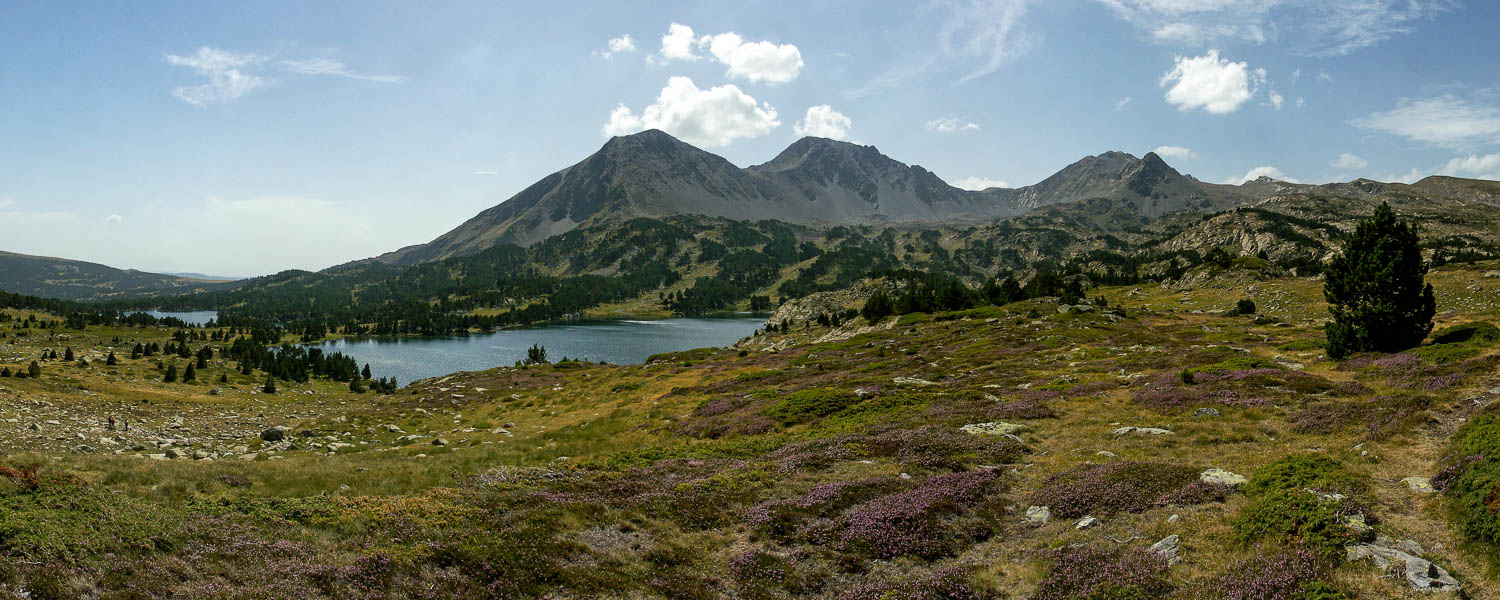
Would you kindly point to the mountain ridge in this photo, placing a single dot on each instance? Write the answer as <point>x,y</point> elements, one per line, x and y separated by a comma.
<point>814,181</point>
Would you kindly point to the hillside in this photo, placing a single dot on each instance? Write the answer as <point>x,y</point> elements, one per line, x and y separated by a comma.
<point>1019,451</point>
<point>77,280</point>
<point>814,182</point>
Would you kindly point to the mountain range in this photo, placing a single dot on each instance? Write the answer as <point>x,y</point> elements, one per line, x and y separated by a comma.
<point>815,181</point>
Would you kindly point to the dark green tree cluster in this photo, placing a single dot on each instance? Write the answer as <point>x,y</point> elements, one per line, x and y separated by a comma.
<point>1376,289</point>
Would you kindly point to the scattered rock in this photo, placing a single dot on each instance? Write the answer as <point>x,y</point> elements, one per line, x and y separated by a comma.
<point>1169,547</point>
<point>1419,484</point>
<point>1038,515</point>
<point>1206,412</point>
<point>1085,523</point>
<point>439,442</point>
<point>993,428</point>
<point>1222,477</point>
<point>274,434</point>
<point>1389,555</point>
<point>173,453</point>
<point>1141,431</point>
<point>1105,454</point>
<point>912,381</point>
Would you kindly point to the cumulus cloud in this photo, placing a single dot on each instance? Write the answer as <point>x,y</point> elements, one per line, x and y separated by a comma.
<point>951,124</point>
<point>823,121</point>
<point>991,31</point>
<point>762,61</point>
<point>1447,120</point>
<point>619,45</point>
<point>678,43</point>
<point>225,71</point>
<point>1309,27</point>
<point>1210,83</point>
<point>1177,152</point>
<point>1277,100</point>
<point>706,118</point>
<point>1350,161</point>
<point>975,183</point>
<point>1122,103</point>
<point>333,68</point>
<point>1257,173</point>
<point>114,218</point>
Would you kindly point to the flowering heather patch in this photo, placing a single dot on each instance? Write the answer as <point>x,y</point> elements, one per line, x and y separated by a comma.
<point>1094,572</point>
<point>1381,416</point>
<point>942,448</point>
<point>1024,409</point>
<point>783,517</point>
<point>952,583</point>
<point>1440,383</point>
<point>1123,487</point>
<point>759,566</point>
<point>1284,575</point>
<point>912,522</point>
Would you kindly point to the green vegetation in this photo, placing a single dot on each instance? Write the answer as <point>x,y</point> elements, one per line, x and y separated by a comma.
<point>1375,289</point>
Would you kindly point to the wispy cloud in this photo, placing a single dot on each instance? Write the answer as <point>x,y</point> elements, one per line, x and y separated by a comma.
<point>991,31</point>
<point>1310,27</point>
<point>486,172</point>
<point>1175,152</point>
<point>231,75</point>
<point>114,218</point>
<point>619,45</point>
<point>1448,121</point>
<point>333,68</point>
<point>975,183</point>
<point>951,124</point>
<point>225,71</point>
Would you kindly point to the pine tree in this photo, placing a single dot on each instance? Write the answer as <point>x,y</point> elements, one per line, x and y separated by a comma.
<point>111,360</point>
<point>223,378</point>
<point>356,385</point>
<point>171,375</point>
<point>878,307</point>
<point>1376,291</point>
<point>68,354</point>
<point>536,355</point>
<point>270,386</point>
<point>34,371</point>
<point>190,375</point>
<point>365,373</point>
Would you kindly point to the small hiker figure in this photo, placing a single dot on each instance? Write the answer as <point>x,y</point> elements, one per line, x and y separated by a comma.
<point>127,424</point>
<point>111,423</point>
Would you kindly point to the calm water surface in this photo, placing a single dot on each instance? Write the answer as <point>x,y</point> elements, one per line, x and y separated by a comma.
<point>620,342</point>
<point>197,317</point>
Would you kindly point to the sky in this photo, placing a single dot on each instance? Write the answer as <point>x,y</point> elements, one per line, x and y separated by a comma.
<point>241,139</point>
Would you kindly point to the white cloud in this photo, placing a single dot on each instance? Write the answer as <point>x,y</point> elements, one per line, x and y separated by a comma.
<point>1122,103</point>
<point>114,218</point>
<point>1301,102</point>
<point>330,67</point>
<point>754,61</point>
<point>678,43</point>
<point>1257,173</point>
<point>705,118</point>
<point>1447,121</point>
<point>758,62</point>
<point>1277,100</point>
<point>1177,152</point>
<point>1309,27</point>
<point>1210,83</point>
<point>951,124</point>
<point>1325,77</point>
<point>987,30</point>
<point>226,73</point>
<point>823,121</point>
<point>1476,167</point>
<point>979,183</point>
<point>619,45</point>
<point>1350,161</point>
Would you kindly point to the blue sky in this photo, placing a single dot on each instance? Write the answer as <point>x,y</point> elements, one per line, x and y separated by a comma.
<point>242,139</point>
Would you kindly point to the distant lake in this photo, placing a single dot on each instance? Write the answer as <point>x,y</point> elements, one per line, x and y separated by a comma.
<point>614,341</point>
<point>196,317</point>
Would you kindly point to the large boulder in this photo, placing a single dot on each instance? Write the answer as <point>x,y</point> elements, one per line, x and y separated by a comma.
<point>274,434</point>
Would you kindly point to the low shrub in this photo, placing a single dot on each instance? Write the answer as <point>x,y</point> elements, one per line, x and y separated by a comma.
<point>916,521</point>
<point>1471,480</point>
<point>1095,573</point>
<point>805,405</point>
<point>1123,487</point>
<point>1297,518</point>
<point>1380,416</point>
<point>1284,575</point>
<point>952,583</point>
<point>1298,472</point>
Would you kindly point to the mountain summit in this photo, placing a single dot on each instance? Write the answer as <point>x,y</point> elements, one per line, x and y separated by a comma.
<point>815,181</point>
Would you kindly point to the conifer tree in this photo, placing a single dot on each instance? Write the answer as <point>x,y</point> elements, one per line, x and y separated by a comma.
<point>34,371</point>
<point>190,375</point>
<point>68,354</point>
<point>111,360</point>
<point>270,386</point>
<point>171,375</point>
<point>1376,290</point>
